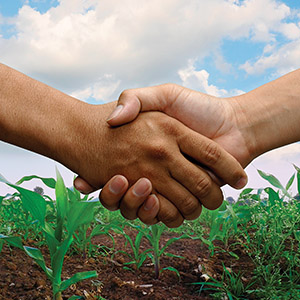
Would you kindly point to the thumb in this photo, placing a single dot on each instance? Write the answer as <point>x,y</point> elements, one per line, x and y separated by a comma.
<point>127,110</point>
<point>131,102</point>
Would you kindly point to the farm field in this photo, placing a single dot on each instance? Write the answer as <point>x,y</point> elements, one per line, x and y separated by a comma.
<point>73,248</point>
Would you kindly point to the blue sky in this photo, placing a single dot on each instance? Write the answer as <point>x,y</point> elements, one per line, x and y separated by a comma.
<point>11,8</point>
<point>95,49</point>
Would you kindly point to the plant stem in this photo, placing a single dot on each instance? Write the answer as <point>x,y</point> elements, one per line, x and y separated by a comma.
<point>57,296</point>
<point>156,265</point>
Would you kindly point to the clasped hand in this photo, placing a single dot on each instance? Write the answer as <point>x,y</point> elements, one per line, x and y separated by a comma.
<point>162,170</point>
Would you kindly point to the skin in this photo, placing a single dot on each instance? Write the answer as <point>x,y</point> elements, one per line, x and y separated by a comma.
<point>246,126</point>
<point>155,147</point>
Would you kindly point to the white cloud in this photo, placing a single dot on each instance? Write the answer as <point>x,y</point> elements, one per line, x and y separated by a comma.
<point>283,59</point>
<point>290,31</point>
<point>142,42</point>
<point>199,80</point>
<point>221,63</point>
<point>102,89</point>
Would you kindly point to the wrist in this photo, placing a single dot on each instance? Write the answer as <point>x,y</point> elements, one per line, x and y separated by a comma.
<point>254,122</point>
<point>86,129</point>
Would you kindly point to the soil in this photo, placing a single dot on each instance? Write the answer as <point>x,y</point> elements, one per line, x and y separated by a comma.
<point>21,278</point>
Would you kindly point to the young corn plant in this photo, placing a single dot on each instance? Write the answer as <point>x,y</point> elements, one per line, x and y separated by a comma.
<point>153,234</point>
<point>70,215</point>
<point>137,257</point>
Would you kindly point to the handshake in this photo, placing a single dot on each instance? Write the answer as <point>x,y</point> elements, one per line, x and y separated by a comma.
<point>162,152</point>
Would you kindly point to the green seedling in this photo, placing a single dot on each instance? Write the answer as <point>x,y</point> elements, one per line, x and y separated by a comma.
<point>153,234</point>
<point>138,257</point>
<point>69,216</point>
<point>230,285</point>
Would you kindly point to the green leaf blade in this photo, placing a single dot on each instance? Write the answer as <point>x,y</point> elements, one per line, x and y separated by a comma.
<point>49,182</point>
<point>14,241</point>
<point>32,202</point>
<point>271,179</point>
<point>61,205</point>
<point>76,278</point>
<point>37,255</point>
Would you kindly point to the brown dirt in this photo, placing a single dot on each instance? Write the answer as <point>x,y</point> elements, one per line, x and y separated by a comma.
<point>22,279</point>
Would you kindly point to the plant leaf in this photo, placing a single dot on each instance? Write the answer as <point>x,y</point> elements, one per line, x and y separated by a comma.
<point>32,202</point>
<point>246,192</point>
<point>49,182</point>
<point>271,179</point>
<point>73,194</point>
<point>171,241</point>
<point>77,277</point>
<point>171,269</point>
<point>15,241</point>
<point>298,178</point>
<point>138,239</point>
<point>61,205</point>
<point>58,258</point>
<point>290,182</point>
<point>80,213</point>
<point>273,196</point>
<point>37,255</point>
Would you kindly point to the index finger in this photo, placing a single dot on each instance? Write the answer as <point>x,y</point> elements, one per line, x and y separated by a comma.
<point>213,156</point>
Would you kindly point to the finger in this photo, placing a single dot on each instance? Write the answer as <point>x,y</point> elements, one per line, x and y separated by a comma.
<point>185,202</point>
<point>134,198</point>
<point>201,187</point>
<point>112,193</point>
<point>214,157</point>
<point>131,102</point>
<point>83,186</point>
<point>168,213</point>
<point>147,213</point>
<point>126,111</point>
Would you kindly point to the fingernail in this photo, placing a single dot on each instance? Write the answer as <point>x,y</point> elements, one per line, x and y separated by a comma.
<point>79,186</point>
<point>150,202</point>
<point>115,112</point>
<point>117,185</point>
<point>141,187</point>
<point>241,183</point>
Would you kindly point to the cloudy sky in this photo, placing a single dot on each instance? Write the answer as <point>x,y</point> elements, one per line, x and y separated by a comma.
<point>94,49</point>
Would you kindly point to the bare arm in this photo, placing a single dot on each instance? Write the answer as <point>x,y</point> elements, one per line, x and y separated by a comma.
<point>269,116</point>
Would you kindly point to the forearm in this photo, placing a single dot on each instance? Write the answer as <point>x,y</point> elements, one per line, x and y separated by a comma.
<point>37,117</point>
<point>269,116</point>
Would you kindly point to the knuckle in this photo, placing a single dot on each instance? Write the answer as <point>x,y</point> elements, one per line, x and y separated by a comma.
<point>196,213</point>
<point>212,153</point>
<point>190,205</point>
<point>169,127</point>
<point>126,93</point>
<point>168,217</point>
<point>203,187</point>
<point>159,151</point>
